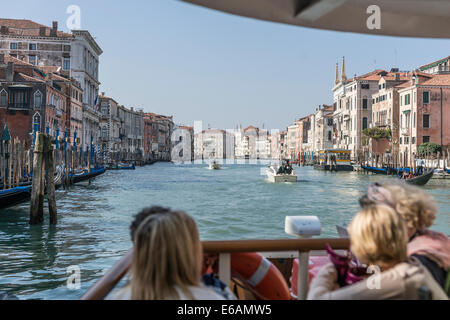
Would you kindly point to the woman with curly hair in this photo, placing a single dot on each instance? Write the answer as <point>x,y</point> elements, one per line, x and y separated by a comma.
<point>378,237</point>
<point>418,209</point>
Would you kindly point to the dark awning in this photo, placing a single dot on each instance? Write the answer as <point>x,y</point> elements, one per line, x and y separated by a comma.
<point>406,18</point>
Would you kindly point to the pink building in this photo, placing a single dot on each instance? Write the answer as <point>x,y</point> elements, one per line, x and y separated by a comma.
<point>424,114</point>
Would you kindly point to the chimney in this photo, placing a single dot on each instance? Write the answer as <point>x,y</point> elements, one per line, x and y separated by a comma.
<point>54,31</point>
<point>42,31</point>
<point>4,30</point>
<point>2,58</point>
<point>10,72</point>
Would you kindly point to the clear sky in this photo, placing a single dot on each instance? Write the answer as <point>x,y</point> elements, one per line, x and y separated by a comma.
<point>174,58</point>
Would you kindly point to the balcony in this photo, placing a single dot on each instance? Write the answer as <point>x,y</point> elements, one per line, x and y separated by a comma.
<point>19,106</point>
<point>405,131</point>
<point>383,123</point>
<point>58,113</point>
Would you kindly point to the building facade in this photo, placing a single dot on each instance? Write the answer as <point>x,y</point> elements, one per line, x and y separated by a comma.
<point>424,114</point>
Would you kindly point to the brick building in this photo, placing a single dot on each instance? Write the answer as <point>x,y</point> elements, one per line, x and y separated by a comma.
<point>31,100</point>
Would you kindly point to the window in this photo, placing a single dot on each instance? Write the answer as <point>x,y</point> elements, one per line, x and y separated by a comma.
<point>365,123</point>
<point>66,64</point>
<point>426,120</point>
<point>13,46</point>
<point>329,135</point>
<point>37,100</point>
<point>414,120</point>
<point>365,103</point>
<point>426,97</point>
<point>32,60</point>
<point>426,139</point>
<point>401,140</point>
<point>406,140</point>
<point>413,140</point>
<point>3,98</point>
<point>32,46</point>
<point>66,48</point>
<point>407,99</point>
<point>365,86</point>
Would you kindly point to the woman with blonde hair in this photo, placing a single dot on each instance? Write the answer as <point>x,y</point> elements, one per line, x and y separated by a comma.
<point>167,258</point>
<point>418,209</point>
<point>378,239</point>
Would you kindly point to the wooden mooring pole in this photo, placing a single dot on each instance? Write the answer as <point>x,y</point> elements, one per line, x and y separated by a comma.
<point>43,175</point>
<point>49,159</point>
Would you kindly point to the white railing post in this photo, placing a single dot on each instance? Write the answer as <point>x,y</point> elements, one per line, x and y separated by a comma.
<point>225,268</point>
<point>303,275</point>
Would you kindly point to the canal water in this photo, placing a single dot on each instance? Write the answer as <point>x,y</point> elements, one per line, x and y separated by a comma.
<point>233,203</point>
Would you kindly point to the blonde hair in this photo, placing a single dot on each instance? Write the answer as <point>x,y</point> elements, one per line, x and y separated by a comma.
<point>167,257</point>
<point>416,206</point>
<point>378,236</point>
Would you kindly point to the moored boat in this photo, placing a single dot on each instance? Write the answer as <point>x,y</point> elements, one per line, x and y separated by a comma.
<point>14,196</point>
<point>375,170</point>
<point>334,160</point>
<point>86,175</point>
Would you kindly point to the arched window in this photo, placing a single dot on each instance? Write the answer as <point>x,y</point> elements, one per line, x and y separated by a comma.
<point>365,123</point>
<point>38,100</point>
<point>3,98</point>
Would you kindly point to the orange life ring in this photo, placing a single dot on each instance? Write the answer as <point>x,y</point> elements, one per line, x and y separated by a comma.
<point>261,275</point>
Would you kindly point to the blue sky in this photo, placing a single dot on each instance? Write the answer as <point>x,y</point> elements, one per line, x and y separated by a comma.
<point>174,58</point>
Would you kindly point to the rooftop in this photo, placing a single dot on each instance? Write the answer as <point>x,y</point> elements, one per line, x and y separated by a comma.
<point>28,28</point>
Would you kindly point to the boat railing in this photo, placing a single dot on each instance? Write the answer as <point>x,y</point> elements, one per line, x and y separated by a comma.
<point>224,249</point>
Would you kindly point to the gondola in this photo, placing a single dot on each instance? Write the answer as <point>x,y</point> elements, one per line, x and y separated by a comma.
<point>121,167</point>
<point>375,170</point>
<point>14,196</point>
<point>22,193</point>
<point>421,180</point>
<point>86,175</point>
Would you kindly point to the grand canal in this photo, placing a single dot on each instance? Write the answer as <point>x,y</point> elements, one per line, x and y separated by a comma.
<point>233,203</point>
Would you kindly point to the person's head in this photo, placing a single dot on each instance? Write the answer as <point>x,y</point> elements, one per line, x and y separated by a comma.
<point>416,207</point>
<point>378,236</point>
<point>167,254</point>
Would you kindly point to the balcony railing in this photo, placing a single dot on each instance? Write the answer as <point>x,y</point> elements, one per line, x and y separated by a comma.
<point>19,106</point>
<point>383,123</point>
<point>406,131</point>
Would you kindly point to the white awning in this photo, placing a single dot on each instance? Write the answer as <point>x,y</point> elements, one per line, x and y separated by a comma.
<point>406,18</point>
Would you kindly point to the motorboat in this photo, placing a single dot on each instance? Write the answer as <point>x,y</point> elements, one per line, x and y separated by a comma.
<point>214,166</point>
<point>273,176</point>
